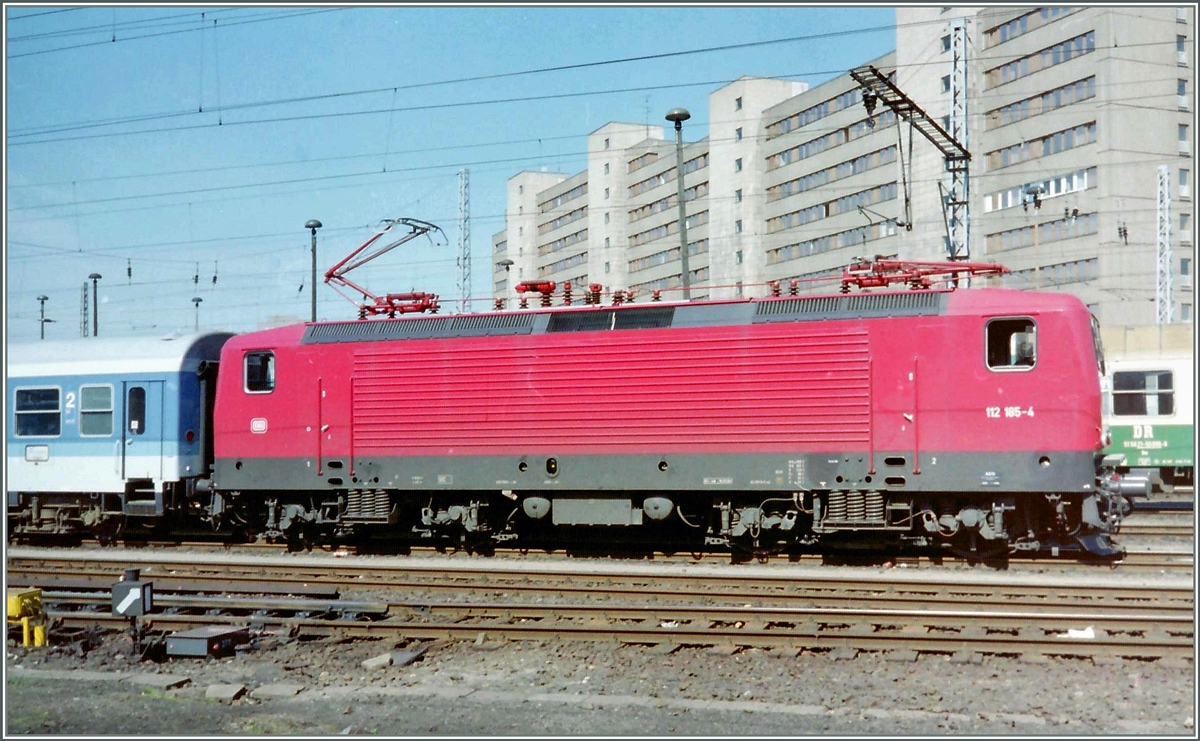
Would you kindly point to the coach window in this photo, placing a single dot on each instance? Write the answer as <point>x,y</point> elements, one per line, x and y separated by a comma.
<point>1011,344</point>
<point>95,411</point>
<point>136,410</point>
<point>260,372</point>
<point>38,413</point>
<point>1143,393</point>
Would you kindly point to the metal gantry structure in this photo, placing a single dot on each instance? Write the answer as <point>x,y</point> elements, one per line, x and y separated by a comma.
<point>878,87</point>
<point>1164,294</point>
<point>464,240</point>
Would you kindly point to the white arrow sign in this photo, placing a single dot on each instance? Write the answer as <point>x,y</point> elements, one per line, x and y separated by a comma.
<point>127,602</point>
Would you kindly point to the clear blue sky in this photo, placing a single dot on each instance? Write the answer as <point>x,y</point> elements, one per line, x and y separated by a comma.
<point>231,187</point>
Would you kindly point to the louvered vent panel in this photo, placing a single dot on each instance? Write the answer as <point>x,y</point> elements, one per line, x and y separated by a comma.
<point>889,301</point>
<point>467,322</point>
<point>912,303</point>
<point>433,328</point>
<point>818,305</point>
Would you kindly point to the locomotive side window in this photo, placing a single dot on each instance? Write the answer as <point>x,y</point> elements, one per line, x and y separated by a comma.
<point>1011,344</point>
<point>38,413</point>
<point>1143,393</point>
<point>260,372</point>
<point>96,411</point>
<point>136,409</point>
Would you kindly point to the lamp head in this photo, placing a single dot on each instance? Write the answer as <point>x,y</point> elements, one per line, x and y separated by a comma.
<point>678,116</point>
<point>312,224</point>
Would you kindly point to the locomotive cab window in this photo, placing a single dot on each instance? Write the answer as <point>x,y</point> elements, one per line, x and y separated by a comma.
<point>1011,344</point>
<point>1143,393</point>
<point>260,372</point>
<point>38,413</point>
<point>95,411</point>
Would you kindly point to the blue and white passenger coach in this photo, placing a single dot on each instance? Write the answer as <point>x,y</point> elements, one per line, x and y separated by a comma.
<point>103,432</point>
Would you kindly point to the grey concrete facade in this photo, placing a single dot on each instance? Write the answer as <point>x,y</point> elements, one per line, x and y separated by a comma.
<point>792,183</point>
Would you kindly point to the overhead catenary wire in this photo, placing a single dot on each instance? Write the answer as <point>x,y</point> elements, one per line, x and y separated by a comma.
<point>378,111</point>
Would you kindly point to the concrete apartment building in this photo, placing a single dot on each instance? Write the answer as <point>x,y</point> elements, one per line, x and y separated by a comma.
<point>1078,105</point>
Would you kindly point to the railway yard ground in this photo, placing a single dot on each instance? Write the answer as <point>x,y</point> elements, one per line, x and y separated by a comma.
<point>777,649</point>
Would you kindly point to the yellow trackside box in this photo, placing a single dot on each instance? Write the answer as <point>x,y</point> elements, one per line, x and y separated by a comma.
<point>25,609</point>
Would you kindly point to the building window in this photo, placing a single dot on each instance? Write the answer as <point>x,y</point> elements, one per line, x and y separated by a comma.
<point>739,257</point>
<point>607,143</point>
<point>737,164</point>
<point>737,226</point>
<point>946,84</point>
<point>606,192</point>
<point>606,267</point>
<point>737,195</point>
<point>737,133</point>
<point>520,190</point>
<point>606,215</point>
<point>1181,50</point>
<point>520,231</point>
<point>95,411</point>
<point>38,413</point>
<point>1185,188</point>
<point>1011,344</point>
<point>606,241</point>
<point>605,168</point>
<point>1185,313</point>
<point>946,42</point>
<point>737,103</point>
<point>520,210</point>
<point>260,372</point>
<point>1185,223</point>
<point>1183,132</point>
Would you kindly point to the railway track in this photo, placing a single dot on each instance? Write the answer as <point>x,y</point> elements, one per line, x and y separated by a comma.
<point>1174,560</point>
<point>666,608</point>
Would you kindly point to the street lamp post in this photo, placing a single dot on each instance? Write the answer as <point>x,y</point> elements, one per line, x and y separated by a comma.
<point>196,300</point>
<point>678,116</point>
<point>314,225</point>
<point>95,305</point>
<point>42,321</point>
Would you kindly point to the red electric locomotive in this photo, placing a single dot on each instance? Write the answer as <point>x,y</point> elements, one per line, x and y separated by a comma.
<point>968,418</point>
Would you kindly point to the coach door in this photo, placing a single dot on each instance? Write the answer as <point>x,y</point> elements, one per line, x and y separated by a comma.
<point>142,431</point>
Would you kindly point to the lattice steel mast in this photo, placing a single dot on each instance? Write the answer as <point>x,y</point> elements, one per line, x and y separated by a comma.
<point>464,240</point>
<point>1164,294</point>
<point>83,311</point>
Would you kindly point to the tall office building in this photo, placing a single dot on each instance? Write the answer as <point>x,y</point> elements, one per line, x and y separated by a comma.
<point>1068,114</point>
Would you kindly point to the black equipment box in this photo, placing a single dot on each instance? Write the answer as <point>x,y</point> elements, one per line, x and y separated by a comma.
<point>212,640</point>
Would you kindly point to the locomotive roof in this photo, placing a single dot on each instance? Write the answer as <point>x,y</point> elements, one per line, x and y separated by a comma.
<point>653,315</point>
<point>171,353</point>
